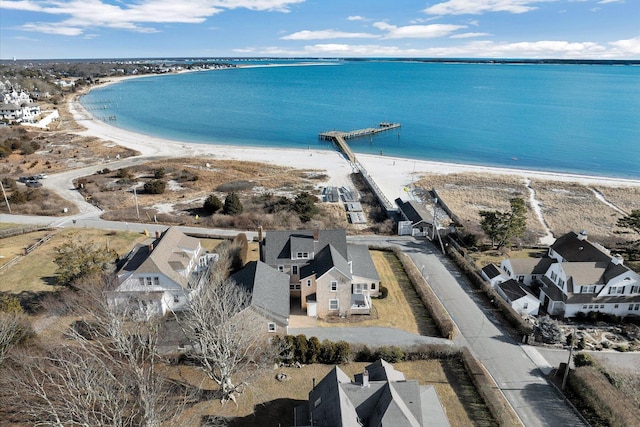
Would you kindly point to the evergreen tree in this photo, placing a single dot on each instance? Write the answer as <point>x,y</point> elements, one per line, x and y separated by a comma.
<point>212,204</point>
<point>305,206</point>
<point>501,227</point>
<point>232,204</point>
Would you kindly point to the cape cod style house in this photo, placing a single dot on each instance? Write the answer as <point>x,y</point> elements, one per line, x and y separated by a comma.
<point>379,396</point>
<point>156,277</point>
<point>575,276</point>
<point>328,276</point>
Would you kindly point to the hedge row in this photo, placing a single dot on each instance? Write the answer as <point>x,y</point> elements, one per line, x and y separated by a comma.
<point>476,280</point>
<point>299,348</point>
<point>489,391</point>
<point>435,308</point>
<point>609,403</point>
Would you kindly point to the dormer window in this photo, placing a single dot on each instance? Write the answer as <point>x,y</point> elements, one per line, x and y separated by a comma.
<point>302,255</point>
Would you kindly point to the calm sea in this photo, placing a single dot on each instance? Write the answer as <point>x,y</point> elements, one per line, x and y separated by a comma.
<point>581,119</point>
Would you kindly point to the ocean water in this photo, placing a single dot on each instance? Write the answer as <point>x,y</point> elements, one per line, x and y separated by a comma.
<point>582,119</point>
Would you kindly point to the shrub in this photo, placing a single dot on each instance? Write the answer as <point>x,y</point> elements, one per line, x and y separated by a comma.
<point>212,204</point>
<point>549,330</point>
<point>300,349</point>
<point>124,173</point>
<point>155,186</point>
<point>391,354</point>
<point>364,354</point>
<point>583,359</point>
<point>242,244</point>
<point>313,349</point>
<point>384,292</point>
<point>305,206</point>
<point>17,198</point>
<point>159,173</point>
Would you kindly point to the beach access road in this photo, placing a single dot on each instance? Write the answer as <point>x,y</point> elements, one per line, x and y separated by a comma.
<point>518,370</point>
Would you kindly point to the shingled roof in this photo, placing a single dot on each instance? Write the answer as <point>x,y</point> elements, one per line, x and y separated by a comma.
<point>576,248</point>
<point>278,246</point>
<point>414,211</point>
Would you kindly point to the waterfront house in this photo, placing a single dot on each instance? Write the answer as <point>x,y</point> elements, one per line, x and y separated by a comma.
<point>156,277</point>
<point>379,396</point>
<point>327,277</point>
<point>519,297</point>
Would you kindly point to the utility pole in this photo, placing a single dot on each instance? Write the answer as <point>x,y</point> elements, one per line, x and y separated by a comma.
<point>566,370</point>
<point>5,194</point>
<point>135,196</point>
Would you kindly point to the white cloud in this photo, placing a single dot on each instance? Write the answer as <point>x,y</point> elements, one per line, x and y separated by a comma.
<point>417,31</point>
<point>327,34</point>
<point>469,35</point>
<point>355,18</point>
<point>610,1</point>
<point>477,7</point>
<point>629,47</point>
<point>128,15</point>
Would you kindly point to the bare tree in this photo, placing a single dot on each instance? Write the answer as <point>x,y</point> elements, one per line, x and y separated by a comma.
<point>228,338</point>
<point>104,373</point>
<point>12,330</point>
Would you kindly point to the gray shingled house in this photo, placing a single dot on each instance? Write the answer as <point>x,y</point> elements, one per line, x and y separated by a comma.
<point>330,277</point>
<point>380,396</point>
<point>269,290</point>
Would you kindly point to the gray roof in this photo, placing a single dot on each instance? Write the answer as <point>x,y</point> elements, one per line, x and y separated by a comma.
<point>168,255</point>
<point>526,266</point>
<point>491,270</point>
<point>414,211</point>
<point>585,273</point>
<point>514,290</point>
<point>551,290</point>
<point>573,249</point>
<point>325,260</point>
<point>388,400</point>
<point>278,246</point>
<point>268,287</point>
<point>362,263</point>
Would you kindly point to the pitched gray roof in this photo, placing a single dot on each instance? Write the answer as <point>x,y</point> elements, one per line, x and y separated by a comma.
<point>362,263</point>
<point>491,270</point>
<point>268,287</point>
<point>514,290</point>
<point>526,266</point>
<point>585,273</point>
<point>573,249</point>
<point>388,400</point>
<point>414,211</point>
<point>278,246</point>
<point>325,260</point>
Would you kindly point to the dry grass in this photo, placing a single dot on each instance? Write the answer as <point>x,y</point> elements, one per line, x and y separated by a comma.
<point>271,403</point>
<point>35,272</point>
<point>493,256</point>
<point>574,207</point>
<point>468,194</point>
<point>39,201</point>
<point>625,198</point>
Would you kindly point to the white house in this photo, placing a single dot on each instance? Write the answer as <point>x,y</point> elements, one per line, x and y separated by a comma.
<point>158,276</point>
<point>519,296</point>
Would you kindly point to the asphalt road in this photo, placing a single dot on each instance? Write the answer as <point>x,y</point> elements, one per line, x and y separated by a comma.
<point>517,369</point>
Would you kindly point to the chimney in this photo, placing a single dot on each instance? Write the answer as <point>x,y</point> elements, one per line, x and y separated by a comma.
<point>150,247</point>
<point>617,259</point>
<point>582,235</point>
<point>316,234</point>
<point>157,234</point>
<point>365,379</point>
<point>260,233</point>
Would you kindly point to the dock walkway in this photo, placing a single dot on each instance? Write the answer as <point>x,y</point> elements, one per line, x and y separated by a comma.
<point>340,139</point>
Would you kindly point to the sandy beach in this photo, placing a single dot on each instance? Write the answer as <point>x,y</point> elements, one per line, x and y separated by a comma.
<point>392,174</point>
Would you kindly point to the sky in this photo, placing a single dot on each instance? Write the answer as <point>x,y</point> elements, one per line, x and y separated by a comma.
<point>565,29</point>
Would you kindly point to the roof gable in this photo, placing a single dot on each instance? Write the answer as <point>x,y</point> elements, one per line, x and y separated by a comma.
<point>328,258</point>
<point>414,211</point>
<point>574,248</point>
<point>279,245</point>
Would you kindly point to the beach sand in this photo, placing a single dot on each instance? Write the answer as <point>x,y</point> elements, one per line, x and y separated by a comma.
<point>393,175</point>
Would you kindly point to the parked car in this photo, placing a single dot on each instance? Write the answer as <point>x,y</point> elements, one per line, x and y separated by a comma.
<point>33,183</point>
<point>41,176</point>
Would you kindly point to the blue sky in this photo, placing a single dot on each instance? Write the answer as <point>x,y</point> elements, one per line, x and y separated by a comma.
<point>590,29</point>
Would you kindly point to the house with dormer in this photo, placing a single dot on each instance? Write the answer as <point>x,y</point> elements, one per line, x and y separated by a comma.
<point>379,396</point>
<point>328,276</point>
<point>578,276</point>
<point>157,276</point>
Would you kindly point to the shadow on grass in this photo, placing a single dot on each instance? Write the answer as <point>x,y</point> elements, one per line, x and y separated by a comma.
<point>273,413</point>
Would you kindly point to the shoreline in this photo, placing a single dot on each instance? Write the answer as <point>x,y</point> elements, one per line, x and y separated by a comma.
<point>391,174</point>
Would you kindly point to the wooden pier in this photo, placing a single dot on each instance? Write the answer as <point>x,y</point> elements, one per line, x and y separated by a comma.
<point>340,138</point>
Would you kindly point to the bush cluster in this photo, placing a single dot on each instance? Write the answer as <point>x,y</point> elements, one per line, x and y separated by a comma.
<point>297,348</point>
<point>155,186</point>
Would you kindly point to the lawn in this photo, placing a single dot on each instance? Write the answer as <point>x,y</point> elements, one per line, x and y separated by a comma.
<point>401,309</point>
<point>271,403</point>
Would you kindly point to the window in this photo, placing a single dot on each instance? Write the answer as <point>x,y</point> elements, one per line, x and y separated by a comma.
<point>630,307</point>
<point>308,282</point>
<point>521,279</point>
<point>584,307</point>
<point>373,286</point>
<point>281,268</point>
<point>590,306</point>
<point>616,306</point>
<point>334,286</point>
<point>525,306</point>
<point>561,283</point>
<point>333,304</point>
<point>271,327</point>
<point>294,269</point>
<point>637,307</point>
<point>176,299</point>
<point>601,306</point>
<point>635,289</point>
<point>141,280</point>
<point>554,276</point>
<point>148,281</point>
<point>292,286</point>
<point>302,255</point>
<point>590,289</point>
<point>156,281</point>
